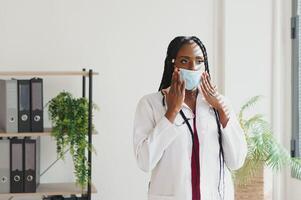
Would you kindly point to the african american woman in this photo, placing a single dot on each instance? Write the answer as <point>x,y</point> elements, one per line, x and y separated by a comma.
<point>187,134</point>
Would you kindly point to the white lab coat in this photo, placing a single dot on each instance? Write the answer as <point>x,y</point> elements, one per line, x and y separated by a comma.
<point>164,149</point>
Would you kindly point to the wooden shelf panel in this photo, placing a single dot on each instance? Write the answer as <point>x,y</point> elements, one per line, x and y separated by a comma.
<point>47,189</point>
<point>46,73</point>
<point>47,132</point>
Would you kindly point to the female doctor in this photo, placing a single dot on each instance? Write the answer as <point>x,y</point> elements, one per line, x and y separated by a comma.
<point>187,134</point>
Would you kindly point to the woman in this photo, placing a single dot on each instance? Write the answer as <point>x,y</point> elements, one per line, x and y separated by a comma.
<point>187,134</point>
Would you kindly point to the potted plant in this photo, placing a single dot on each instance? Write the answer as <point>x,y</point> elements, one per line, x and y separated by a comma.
<point>69,117</point>
<point>263,150</point>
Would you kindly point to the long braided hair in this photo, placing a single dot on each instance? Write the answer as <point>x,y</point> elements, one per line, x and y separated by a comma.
<point>172,51</point>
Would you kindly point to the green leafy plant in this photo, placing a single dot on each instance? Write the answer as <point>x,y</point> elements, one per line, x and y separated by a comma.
<point>263,149</point>
<point>69,118</point>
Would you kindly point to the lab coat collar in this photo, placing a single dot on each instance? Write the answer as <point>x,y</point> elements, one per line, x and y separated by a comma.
<point>201,107</point>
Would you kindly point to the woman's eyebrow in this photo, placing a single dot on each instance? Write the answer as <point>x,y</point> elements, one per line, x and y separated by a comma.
<point>197,57</point>
<point>184,57</point>
<point>200,57</point>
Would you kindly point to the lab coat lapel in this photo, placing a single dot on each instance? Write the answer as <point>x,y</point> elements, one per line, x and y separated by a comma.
<point>202,113</point>
<point>202,110</point>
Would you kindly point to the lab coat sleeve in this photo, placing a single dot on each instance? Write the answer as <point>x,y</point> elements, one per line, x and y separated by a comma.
<point>151,138</point>
<point>233,140</point>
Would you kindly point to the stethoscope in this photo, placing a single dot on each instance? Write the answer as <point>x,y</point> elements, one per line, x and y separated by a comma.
<point>186,121</point>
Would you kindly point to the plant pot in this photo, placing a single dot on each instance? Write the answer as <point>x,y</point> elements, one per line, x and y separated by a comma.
<point>254,190</point>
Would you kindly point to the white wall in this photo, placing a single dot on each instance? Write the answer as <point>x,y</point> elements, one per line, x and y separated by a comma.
<point>126,42</point>
<point>248,54</point>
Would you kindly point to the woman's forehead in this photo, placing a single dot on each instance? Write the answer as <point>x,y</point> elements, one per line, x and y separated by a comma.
<point>190,49</point>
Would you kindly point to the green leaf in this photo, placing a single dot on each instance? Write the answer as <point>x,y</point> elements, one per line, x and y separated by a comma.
<point>263,149</point>
<point>69,118</point>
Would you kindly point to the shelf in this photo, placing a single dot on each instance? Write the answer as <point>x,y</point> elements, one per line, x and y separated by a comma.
<point>47,189</point>
<point>46,73</point>
<point>47,132</point>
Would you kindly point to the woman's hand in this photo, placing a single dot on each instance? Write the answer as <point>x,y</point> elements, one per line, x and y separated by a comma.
<point>175,96</point>
<point>210,91</point>
<point>213,98</point>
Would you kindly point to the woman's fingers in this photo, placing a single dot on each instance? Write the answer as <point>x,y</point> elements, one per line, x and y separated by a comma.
<point>173,82</point>
<point>209,89</point>
<point>206,85</point>
<point>203,90</point>
<point>173,78</point>
<point>183,87</point>
<point>203,85</point>
<point>178,82</point>
<point>208,81</point>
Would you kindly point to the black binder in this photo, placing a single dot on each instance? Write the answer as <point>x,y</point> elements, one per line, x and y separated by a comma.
<point>16,166</point>
<point>36,88</point>
<point>23,106</point>
<point>29,165</point>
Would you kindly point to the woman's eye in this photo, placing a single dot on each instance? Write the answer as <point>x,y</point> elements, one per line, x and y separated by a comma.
<point>183,61</point>
<point>199,61</point>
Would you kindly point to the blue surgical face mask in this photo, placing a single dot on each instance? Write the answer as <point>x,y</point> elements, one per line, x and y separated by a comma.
<point>192,78</point>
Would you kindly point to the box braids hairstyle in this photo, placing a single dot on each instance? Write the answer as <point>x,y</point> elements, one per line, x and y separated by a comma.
<point>172,51</point>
